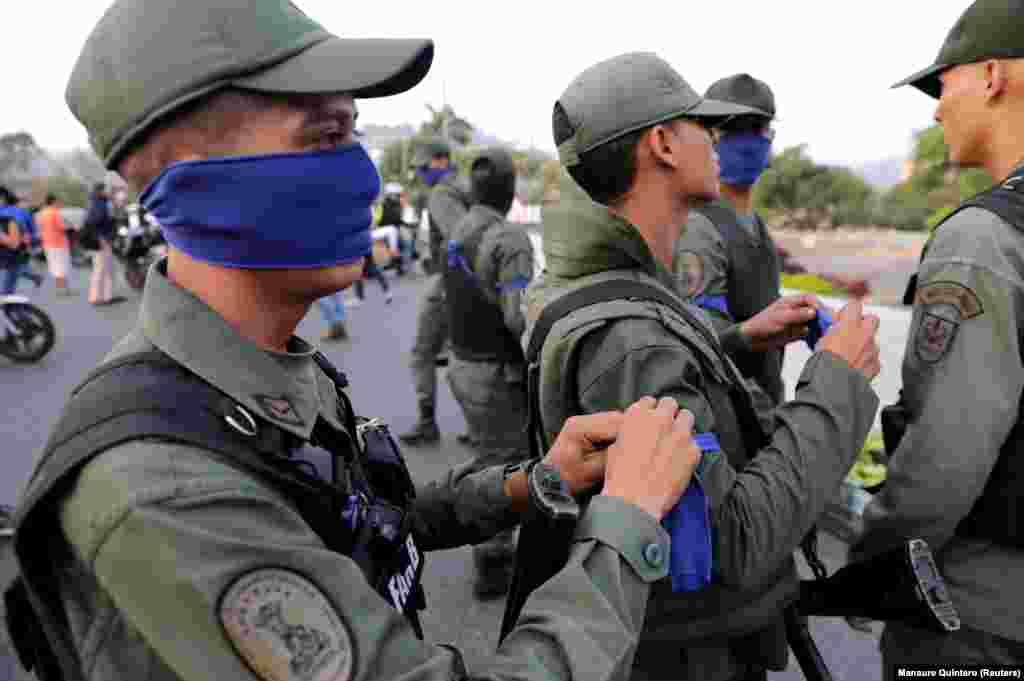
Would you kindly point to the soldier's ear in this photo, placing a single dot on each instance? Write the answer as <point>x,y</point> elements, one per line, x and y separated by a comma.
<point>997,78</point>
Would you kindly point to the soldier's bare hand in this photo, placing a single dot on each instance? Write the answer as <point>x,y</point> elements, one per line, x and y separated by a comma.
<point>781,323</point>
<point>853,337</point>
<point>654,456</point>
<point>579,451</point>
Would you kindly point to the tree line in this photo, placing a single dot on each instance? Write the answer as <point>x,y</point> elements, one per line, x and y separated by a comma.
<point>797,192</point>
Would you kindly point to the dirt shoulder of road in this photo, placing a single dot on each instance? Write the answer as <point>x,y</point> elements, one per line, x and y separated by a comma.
<point>885,257</point>
<point>852,241</point>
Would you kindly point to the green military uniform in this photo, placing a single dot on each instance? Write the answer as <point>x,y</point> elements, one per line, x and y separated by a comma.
<point>446,206</point>
<point>490,264</point>
<point>167,559</point>
<point>164,537</point>
<point>609,354</point>
<point>491,393</point>
<point>726,261</point>
<point>951,478</point>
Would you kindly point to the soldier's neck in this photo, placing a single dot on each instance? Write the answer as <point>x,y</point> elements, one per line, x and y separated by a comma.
<point>241,298</point>
<point>740,198</point>
<point>657,218</point>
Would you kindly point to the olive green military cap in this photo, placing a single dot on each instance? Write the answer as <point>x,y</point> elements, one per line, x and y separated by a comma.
<point>989,29</point>
<point>627,93</point>
<point>431,149</point>
<point>745,90</point>
<point>146,59</point>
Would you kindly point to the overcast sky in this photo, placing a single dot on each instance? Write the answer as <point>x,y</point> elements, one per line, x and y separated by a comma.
<point>503,64</point>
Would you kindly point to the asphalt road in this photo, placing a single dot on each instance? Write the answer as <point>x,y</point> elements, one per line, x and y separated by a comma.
<point>375,360</point>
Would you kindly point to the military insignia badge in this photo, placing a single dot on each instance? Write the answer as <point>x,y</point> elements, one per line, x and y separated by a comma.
<point>285,628</point>
<point>691,273</point>
<point>958,296</point>
<point>934,337</point>
<point>279,409</point>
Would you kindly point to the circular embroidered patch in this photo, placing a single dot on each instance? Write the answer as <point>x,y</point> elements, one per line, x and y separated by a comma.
<point>691,273</point>
<point>285,628</point>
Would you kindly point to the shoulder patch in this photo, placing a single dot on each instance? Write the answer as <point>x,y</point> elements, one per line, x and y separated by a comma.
<point>285,628</point>
<point>950,293</point>
<point>690,269</point>
<point>934,337</point>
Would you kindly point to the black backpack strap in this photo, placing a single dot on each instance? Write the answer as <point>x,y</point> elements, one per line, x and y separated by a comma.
<point>143,395</point>
<point>620,289</point>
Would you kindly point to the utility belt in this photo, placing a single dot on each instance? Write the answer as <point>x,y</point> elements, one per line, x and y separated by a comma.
<point>356,474</point>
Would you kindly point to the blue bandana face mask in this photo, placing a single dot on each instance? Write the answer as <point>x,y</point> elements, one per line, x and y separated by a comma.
<point>743,156</point>
<point>276,211</point>
<point>431,176</point>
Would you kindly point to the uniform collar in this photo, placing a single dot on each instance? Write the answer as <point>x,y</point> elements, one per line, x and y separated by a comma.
<point>284,388</point>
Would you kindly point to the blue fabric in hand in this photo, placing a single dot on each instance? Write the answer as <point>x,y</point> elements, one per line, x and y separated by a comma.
<point>818,327</point>
<point>689,525</point>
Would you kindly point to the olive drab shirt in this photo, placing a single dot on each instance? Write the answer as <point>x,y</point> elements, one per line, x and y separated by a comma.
<point>447,203</point>
<point>962,382</point>
<point>590,364</point>
<point>169,545</point>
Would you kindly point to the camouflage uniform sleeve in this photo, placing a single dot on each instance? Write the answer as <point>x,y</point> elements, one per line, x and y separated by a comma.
<point>701,264</point>
<point>202,572</point>
<point>506,267</point>
<point>466,506</point>
<point>762,512</point>
<point>446,209</point>
<point>964,332</point>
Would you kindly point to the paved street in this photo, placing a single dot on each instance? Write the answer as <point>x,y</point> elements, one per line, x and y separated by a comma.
<point>376,363</point>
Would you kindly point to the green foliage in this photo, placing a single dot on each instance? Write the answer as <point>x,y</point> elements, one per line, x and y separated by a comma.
<point>809,283</point>
<point>866,471</point>
<point>794,182</point>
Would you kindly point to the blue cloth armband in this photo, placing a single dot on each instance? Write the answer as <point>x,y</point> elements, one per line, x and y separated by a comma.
<point>818,327</point>
<point>717,303</point>
<point>689,525</point>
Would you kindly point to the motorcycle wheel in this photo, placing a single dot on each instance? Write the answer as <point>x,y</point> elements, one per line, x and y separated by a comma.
<point>36,333</point>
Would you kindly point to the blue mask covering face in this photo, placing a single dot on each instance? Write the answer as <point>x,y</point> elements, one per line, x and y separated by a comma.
<point>743,156</point>
<point>431,176</point>
<point>276,211</point>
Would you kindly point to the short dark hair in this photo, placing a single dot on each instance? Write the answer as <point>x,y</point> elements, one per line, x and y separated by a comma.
<point>606,172</point>
<point>6,195</point>
<point>50,199</point>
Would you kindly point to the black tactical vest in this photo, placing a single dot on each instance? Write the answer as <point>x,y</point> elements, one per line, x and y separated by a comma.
<point>998,514</point>
<point>359,509</point>
<point>740,436</point>
<point>753,285</point>
<point>477,325</point>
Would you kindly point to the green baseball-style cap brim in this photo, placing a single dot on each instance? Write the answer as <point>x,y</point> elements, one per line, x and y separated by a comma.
<point>147,59</point>
<point>988,29</point>
<point>627,93</point>
<point>429,150</point>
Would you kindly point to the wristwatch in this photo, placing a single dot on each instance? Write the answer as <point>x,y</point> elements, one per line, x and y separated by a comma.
<point>550,495</point>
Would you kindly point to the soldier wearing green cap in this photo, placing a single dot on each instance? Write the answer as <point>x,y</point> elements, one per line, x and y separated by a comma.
<point>635,142</point>
<point>447,204</point>
<point>956,470</point>
<point>209,506</point>
<point>725,258</point>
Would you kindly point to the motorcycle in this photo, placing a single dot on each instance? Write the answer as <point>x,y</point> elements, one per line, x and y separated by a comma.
<point>138,243</point>
<point>27,332</point>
